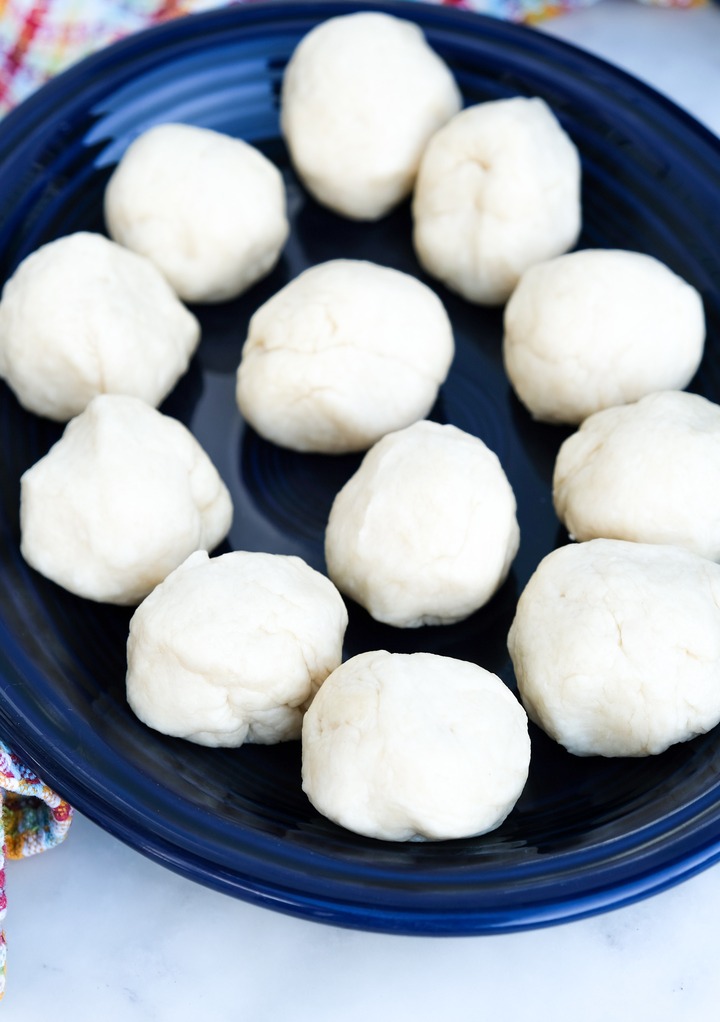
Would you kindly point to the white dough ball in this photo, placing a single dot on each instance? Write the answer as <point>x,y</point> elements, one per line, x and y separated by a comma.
<point>648,472</point>
<point>361,96</point>
<point>208,209</point>
<point>414,746</point>
<point>345,353</point>
<point>498,189</point>
<point>616,647</point>
<point>599,328</point>
<point>425,531</point>
<point>123,497</point>
<point>82,316</point>
<point>232,649</point>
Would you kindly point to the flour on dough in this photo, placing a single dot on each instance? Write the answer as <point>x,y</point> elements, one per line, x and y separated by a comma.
<point>362,95</point>
<point>345,353</point>
<point>82,316</point>
<point>498,189</point>
<point>599,328</point>
<point>207,209</point>
<point>231,649</point>
<point>119,501</point>
<point>425,531</point>
<point>616,647</point>
<point>414,747</point>
<point>648,472</point>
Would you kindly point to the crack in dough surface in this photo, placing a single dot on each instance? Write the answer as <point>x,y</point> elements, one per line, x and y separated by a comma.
<point>232,649</point>
<point>345,353</point>
<point>599,328</point>
<point>425,531</point>
<point>616,647</point>
<point>415,746</point>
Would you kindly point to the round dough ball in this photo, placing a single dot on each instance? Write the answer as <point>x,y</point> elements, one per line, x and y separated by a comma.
<point>82,316</point>
<point>648,472</point>
<point>498,189</point>
<point>208,209</point>
<point>616,647</point>
<point>345,353</point>
<point>425,531</point>
<point>599,328</point>
<point>123,497</point>
<point>231,650</point>
<point>361,96</point>
<point>414,746</point>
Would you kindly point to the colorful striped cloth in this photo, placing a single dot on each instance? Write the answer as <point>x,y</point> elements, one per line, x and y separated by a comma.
<point>34,818</point>
<point>38,38</point>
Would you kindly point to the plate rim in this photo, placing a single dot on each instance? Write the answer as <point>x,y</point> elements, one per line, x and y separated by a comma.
<point>79,790</point>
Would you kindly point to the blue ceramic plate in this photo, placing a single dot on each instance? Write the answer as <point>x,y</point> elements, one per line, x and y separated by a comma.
<point>586,834</point>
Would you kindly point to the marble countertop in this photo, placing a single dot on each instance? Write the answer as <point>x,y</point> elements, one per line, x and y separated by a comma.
<point>98,932</point>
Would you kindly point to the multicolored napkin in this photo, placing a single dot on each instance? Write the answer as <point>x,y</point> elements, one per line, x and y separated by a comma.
<point>39,38</point>
<point>33,819</point>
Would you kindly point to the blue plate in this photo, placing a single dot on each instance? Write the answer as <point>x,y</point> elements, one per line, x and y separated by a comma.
<point>586,834</point>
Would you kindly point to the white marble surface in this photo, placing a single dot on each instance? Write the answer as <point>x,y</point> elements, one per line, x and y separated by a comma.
<point>98,932</point>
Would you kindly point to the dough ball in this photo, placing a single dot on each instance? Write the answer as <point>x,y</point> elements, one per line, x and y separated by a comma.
<point>425,531</point>
<point>648,472</point>
<point>498,189</point>
<point>616,647</point>
<point>345,353</point>
<point>414,746</point>
<point>361,96</point>
<point>208,209</point>
<point>82,316</point>
<point>230,650</point>
<point>599,328</point>
<point>119,501</point>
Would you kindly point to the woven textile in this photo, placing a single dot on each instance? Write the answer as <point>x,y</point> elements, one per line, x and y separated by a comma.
<point>38,38</point>
<point>33,818</point>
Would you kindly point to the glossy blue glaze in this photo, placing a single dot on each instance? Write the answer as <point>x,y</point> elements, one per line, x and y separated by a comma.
<point>586,834</point>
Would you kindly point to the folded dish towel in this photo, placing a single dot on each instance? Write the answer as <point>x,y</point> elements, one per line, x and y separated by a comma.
<point>38,38</point>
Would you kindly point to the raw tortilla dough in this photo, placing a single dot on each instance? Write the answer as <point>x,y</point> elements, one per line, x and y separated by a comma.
<point>599,328</point>
<point>425,531</point>
<point>648,472</point>
<point>345,353</point>
<point>208,209</point>
<point>230,650</point>
<point>414,746</point>
<point>119,501</point>
<point>83,316</point>
<point>616,647</point>
<point>361,96</point>
<point>498,189</point>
